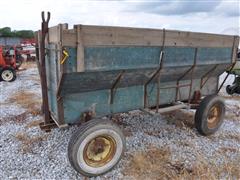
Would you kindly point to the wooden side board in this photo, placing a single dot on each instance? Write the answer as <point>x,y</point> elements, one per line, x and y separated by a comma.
<point>80,49</point>
<point>120,36</point>
<point>83,36</point>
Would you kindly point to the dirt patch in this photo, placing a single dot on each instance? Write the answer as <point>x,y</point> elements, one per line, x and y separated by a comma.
<point>27,100</point>
<point>156,163</point>
<point>16,119</point>
<point>29,142</point>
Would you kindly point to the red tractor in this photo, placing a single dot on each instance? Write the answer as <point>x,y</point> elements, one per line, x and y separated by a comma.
<point>8,65</point>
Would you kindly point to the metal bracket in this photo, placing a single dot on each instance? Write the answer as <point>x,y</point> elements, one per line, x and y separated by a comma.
<point>158,74</point>
<point>114,86</point>
<point>207,75</point>
<point>191,69</point>
<point>47,127</point>
<point>42,66</point>
<point>166,109</point>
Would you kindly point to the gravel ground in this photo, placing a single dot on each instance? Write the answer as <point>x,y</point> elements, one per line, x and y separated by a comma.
<point>29,153</point>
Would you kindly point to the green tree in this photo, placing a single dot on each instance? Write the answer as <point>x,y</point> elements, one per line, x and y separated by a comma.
<point>6,32</point>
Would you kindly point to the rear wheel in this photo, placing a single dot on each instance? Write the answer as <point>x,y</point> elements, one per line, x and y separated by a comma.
<point>209,115</point>
<point>96,147</point>
<point>8,75</point>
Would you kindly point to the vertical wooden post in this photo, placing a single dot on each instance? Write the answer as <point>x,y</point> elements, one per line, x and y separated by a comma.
<point>80,49</point>
<point>62,70</point>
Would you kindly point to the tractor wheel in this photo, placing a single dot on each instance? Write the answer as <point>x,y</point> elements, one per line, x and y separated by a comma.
<point>209,115</point>
<point>8,75</point>
<point>96,147</point>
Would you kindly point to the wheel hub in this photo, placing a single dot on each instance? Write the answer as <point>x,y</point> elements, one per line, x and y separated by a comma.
<point>7,75</point>
<point>99,151</point>
<point>213,116</point>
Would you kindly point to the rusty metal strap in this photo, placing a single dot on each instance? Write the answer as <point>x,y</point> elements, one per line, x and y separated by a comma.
<point>157,73</point>
<point>114,86</point>
<point>160,60</point>
<point>191,69</point>
<point>42,66</point>
<point>207,75</point>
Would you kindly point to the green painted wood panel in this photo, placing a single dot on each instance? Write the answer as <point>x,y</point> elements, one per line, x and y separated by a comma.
<point>125,99</point>
<point>52,78</point>
<point>70,64</point>
<point>214,55</point>
<point>112,58</point>
<point>90,90</point>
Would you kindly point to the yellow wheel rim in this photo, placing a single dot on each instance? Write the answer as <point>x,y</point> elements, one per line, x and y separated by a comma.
<point>99,151</point>
<point>213,116</point>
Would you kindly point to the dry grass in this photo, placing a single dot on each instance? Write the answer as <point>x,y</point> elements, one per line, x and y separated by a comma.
<point>225,136</point>
<point>28,64</point>
<point>29,142</point>
<point>156,163</point>
<point>33,124</point>
<point>231,97</point>
<point>233,114</point>
<point>145,165</point>
<point>27,100</point>
<point>223,150</point>
<point>180,118</point>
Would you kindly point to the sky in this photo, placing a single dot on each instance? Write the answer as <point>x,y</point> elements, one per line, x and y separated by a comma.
<point>211,16</point>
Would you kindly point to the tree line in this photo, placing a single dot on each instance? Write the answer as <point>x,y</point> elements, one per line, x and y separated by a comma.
<point>7,32</point>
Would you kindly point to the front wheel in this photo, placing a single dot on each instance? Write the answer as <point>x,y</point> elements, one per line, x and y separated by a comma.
<point>209,115</point>
<point>96,147</point>
<point>8,75</point>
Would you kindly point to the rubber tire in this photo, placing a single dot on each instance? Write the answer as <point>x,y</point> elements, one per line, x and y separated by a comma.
<point>229,90</point>
<point>84,130</point>
<point>12,70</point>
<point>202,111</point>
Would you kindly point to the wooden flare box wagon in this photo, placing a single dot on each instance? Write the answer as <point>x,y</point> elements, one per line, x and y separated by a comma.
<point>93,71</point>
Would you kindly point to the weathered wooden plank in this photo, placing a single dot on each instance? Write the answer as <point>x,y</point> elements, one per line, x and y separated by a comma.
<point>53,34</point>
<point>123,36</point>
<point>69,38</point>
<point>80,49</point>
